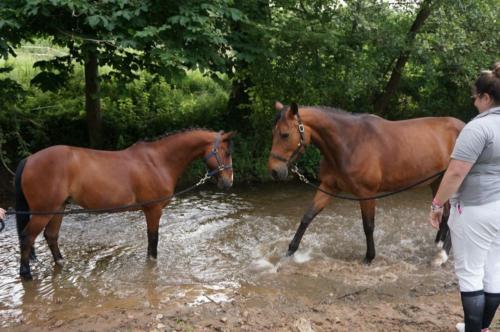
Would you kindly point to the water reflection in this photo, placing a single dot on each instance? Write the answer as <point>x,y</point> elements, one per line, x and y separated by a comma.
<point>210,243</point>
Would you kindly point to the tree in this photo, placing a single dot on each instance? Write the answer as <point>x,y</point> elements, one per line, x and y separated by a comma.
<point>246,41</point>
<point>382,100</point>
<point>164,37</point>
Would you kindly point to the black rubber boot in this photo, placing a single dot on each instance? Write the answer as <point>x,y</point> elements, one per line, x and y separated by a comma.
<point>473,304</point>
<point>491,302</point>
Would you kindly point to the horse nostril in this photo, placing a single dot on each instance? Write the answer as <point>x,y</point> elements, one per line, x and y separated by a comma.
<point>274,174</point>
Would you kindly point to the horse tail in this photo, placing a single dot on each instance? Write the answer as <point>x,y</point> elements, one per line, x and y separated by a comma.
<point>21,203</point>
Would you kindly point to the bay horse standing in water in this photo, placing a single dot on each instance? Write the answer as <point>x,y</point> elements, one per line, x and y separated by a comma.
<point>363,154</point>
<point>94,179</point>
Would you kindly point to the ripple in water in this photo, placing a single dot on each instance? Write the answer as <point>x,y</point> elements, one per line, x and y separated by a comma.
<point>210,243</point>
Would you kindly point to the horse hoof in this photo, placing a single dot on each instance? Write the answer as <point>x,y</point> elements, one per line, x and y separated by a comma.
<point>289,253</point>
<point>25,274</point>
<point>440,259</point>
<point>60,262</point>
<point>367,261</point>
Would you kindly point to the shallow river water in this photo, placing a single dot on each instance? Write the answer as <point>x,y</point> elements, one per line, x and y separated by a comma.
<point>213,244</point>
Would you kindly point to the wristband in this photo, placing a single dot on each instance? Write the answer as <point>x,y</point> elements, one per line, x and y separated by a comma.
<point>436,202</point>
<point>436,206</point>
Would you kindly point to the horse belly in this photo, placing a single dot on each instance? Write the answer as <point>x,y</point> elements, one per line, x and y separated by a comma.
<point>102,190</point>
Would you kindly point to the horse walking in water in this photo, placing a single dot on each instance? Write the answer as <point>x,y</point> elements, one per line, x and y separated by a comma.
<point>363,154</point>
<point>94,179</point>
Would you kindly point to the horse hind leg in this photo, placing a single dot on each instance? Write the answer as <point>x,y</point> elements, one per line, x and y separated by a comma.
<point>443,231</point>
<point>51,235</point>
<point>368,215</point>
<point>27,239</point>
<point>443,238</point>
<point>444,241</point>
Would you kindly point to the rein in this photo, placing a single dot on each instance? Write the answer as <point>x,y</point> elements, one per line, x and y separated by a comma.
<point>206,177</point>
<point>302,178</point>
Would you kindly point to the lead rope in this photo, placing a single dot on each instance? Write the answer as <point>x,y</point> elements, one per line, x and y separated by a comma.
<point>121,208</point>
<point>302,178</point>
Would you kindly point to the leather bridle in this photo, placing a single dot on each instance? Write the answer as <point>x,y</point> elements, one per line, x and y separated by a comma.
<point>296,153</point>
<point>214,153</point>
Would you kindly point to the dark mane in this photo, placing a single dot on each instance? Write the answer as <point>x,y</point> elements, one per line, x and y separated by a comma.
<point>325,109</point>
<point>172,133</point>
<point>329,109</point>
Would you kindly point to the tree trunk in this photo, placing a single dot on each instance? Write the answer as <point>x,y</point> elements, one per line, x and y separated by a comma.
<point>382,100</point>
<point>238,104</point>
<point>92,98</point>
<point>239,101</point>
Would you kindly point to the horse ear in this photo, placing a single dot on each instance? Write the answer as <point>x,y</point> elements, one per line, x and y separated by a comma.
<point>278,106</point>
<point>229,135</point>
<point>292,111</point>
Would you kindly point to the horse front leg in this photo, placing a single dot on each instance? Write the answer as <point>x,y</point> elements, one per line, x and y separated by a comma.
<point>153,215</point>
<point>368,215</point>
<point>51,235</point>
<point>320,201</point>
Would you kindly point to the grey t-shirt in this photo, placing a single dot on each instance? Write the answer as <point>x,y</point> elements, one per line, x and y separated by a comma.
<point>479,143</point>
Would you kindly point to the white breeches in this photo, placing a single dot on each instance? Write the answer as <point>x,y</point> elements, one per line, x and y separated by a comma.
<point>475,238</point>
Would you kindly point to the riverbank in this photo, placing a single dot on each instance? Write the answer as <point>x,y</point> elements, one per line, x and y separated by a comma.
<point>399,302</point>
<point>220,267</point>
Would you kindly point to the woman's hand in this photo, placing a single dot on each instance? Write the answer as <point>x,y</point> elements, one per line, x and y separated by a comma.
<point>435,216</point>
<point>2,213</point>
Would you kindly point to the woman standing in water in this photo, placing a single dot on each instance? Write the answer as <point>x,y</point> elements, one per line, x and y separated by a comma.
<point>472,184</point>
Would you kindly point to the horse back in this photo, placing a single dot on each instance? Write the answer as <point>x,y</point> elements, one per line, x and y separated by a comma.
<point>91,178</point>
<point>389,155</point>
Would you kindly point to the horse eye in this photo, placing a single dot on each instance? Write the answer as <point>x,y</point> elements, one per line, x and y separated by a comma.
<point>284,135</point>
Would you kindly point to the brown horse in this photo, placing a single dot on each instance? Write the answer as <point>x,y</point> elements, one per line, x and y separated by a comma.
<point>363,154</point>
<point>94,179</point>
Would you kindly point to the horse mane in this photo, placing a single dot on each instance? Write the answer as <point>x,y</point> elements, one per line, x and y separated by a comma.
<point>321,108</point>
<point>329,109</point>
<point>173,133</point>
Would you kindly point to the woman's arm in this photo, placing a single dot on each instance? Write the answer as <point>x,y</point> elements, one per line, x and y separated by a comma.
<point>452,179</point>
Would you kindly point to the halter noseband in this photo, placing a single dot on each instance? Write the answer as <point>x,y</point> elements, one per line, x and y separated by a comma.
<point>296,152</point>
<point>220,163</point>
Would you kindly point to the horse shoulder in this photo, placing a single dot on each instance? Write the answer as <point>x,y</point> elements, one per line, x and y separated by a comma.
<point>150,172</point>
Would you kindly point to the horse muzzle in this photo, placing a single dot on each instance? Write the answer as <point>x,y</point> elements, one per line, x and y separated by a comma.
<point>224,183</point>
<point>279,172</point>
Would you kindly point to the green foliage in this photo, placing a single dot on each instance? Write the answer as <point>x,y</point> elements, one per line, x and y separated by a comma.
<point>328,52</point>
<point>164,37</point>
<point>341,54</point>
<point>142,109</point>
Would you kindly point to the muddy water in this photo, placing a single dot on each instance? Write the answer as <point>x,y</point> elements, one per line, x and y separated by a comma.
<point>214,245</point>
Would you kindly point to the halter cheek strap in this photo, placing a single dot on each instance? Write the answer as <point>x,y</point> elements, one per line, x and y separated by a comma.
<point>296,152</point>
<point>213,153</point>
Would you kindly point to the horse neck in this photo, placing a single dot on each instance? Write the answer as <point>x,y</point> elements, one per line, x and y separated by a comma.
<point>330,133</point>
<point>176,152</point>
